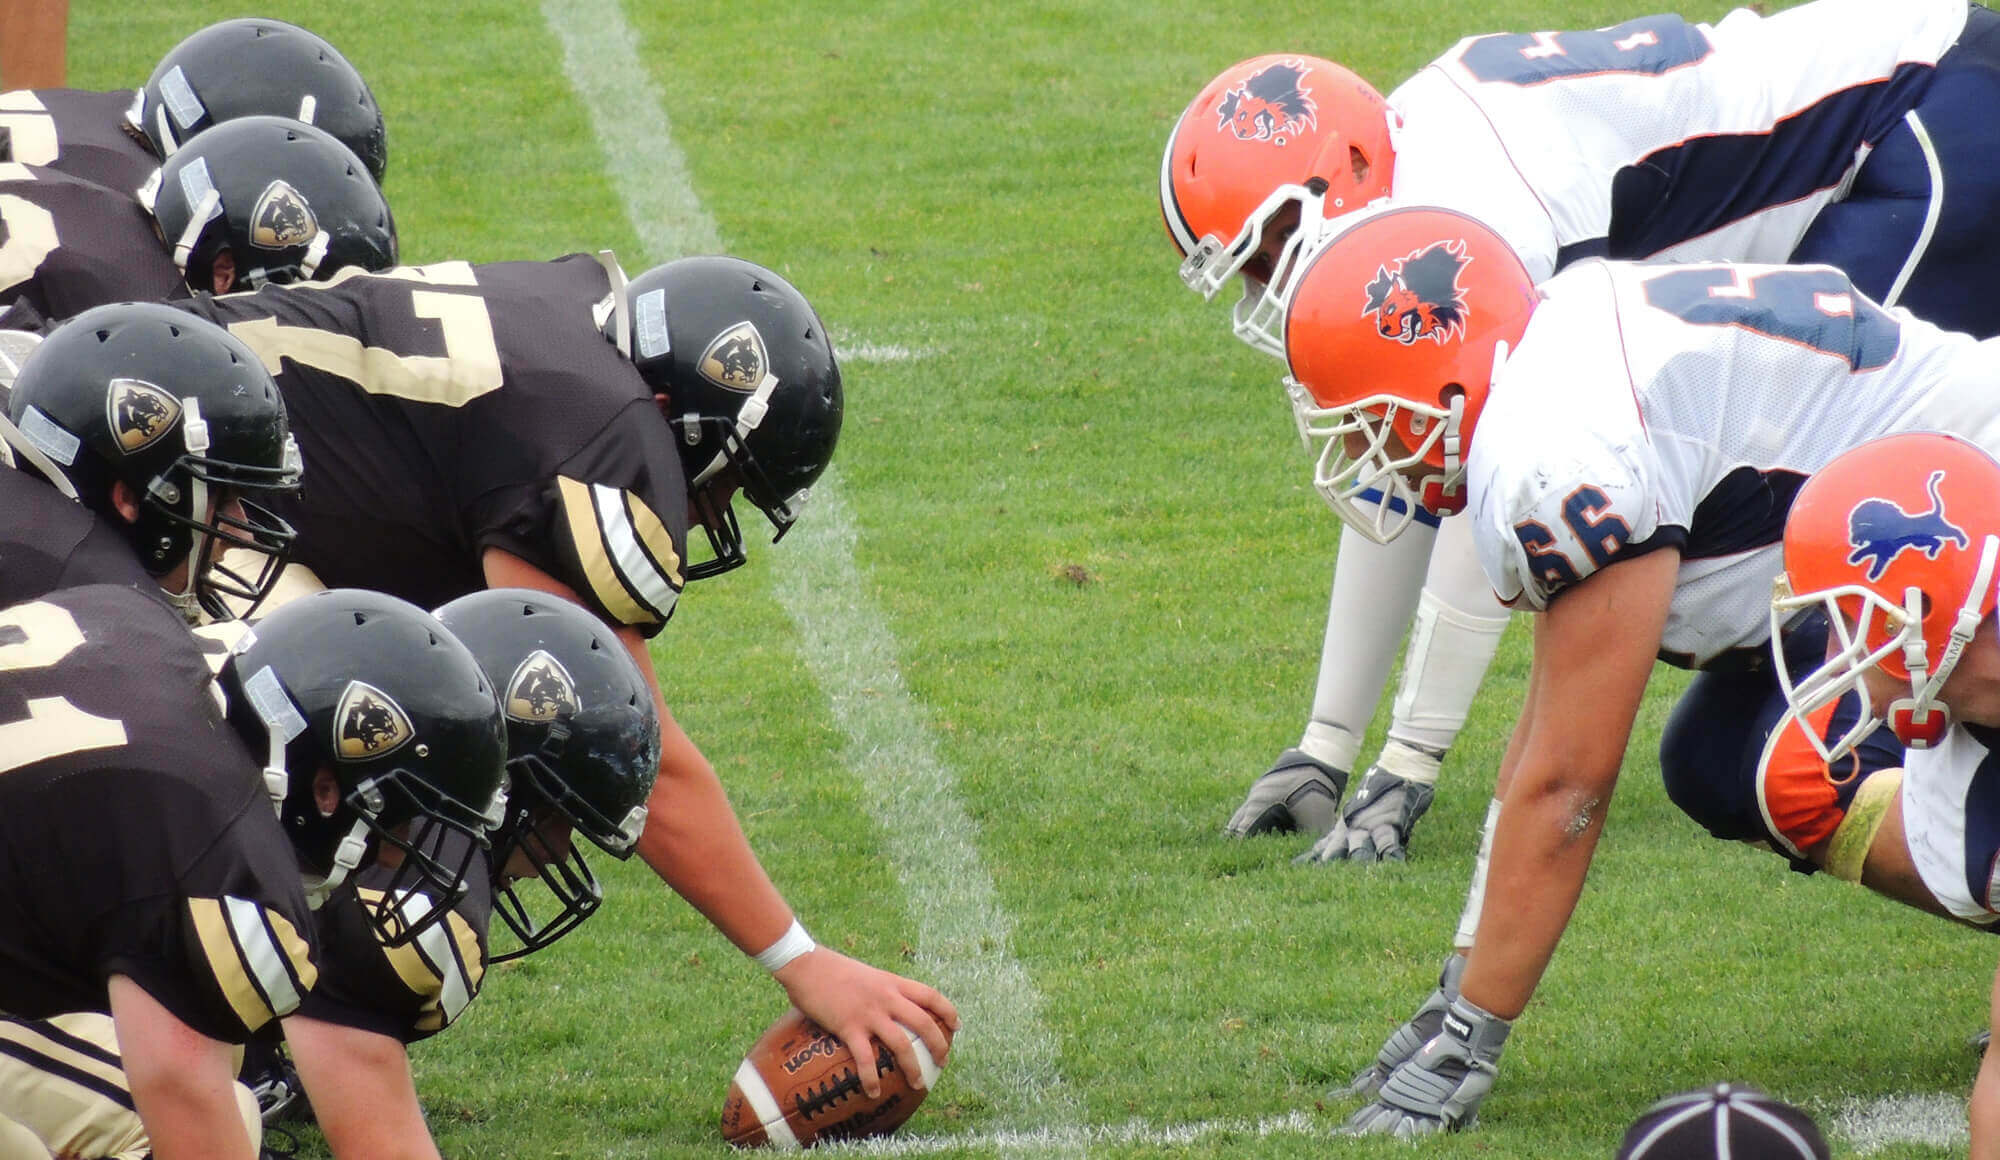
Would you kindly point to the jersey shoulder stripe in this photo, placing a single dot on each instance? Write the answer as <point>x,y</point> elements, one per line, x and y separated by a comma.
<point>255,955</point>
<point>624,550</point>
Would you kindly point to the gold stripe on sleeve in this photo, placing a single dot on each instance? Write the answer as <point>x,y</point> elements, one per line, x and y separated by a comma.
<point>226,963</point>
<point>595,556</point>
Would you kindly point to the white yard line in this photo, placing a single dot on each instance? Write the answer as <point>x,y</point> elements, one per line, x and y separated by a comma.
<point>1078,1138</point>
<point>1872,1125</point>
<point>963,931</point>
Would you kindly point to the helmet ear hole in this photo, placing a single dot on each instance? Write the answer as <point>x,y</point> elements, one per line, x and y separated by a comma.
<point>1358,162</point>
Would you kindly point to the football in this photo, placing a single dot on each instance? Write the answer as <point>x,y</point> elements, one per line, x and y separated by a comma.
<point>798,1085</point>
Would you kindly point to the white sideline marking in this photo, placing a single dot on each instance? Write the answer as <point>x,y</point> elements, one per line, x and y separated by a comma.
<point>1871,1125</point>
<point>1077,1138</point>
<point>963,933</point>
<point>879,352</point>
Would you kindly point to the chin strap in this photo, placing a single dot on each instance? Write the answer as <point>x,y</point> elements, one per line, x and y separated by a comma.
<point>346,859</point>
<point>618,308</point>
<point>1920,720</point>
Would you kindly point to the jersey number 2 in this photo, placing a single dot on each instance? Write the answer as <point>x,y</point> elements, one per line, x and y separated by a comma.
<point>35,636</point>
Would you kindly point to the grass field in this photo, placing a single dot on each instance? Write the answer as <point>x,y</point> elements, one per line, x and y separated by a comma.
<point>985,712</point>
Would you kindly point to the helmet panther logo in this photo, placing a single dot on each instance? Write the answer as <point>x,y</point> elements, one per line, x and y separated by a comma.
<point>1269,105</point>
<point>540,690</point>
<point>281,219</point>
<point>139,413</point>
<point>1879,530</point>
<point>368,723</point>
<point>735,359</point>
<point>1420,296</point>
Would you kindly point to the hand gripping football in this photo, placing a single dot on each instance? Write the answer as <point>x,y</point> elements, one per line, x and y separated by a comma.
<point>799,1085</point>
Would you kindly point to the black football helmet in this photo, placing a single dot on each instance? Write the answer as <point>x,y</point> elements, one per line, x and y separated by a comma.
<point>583,743</point>
<point>251,66</point>
<point>185,415</point>
<point>287,201</point>
<point>375,690</point>
<point>753,390</point>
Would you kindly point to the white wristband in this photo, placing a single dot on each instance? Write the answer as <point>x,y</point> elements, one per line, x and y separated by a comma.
<point>790,945</point>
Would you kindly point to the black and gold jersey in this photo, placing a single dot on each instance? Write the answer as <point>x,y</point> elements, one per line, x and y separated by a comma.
<point>409,992</point>
<point>139,837</point>
<point>67,245</point>
<point>442,410</point>
<point>50,542</point>
<point>79,132</point>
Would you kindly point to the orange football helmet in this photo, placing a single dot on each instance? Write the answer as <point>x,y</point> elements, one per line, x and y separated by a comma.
<point>1394,332</point>
<point>1897,542</point>
<point>1271,133</point>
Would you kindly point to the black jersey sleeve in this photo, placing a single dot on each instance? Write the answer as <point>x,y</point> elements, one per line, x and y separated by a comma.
<point>82,133</point>
<point>49,542</point>
<point>67,245</point>
<point>409,992</point>
<point>139,838</point>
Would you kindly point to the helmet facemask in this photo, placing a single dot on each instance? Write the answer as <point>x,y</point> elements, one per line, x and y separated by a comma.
<point>184,515</point>
<point>1866,630</point>
<point>438,837</point>
<point>540,795</point>
<point>1258,317</point>
<point>734,467</point>
<point>1346,478</point>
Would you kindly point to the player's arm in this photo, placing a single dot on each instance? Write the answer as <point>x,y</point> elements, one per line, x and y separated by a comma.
<point>361,1091</point>
<point>1594,649</point>
<point>1985,1112</point>
<point>693,841</point>
<point>182,1082</point>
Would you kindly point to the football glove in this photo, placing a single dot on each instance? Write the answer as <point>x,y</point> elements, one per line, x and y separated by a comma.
<point>1298,792</point>
<point>1440,1088</point>
<point>1416,1031</point>
<point>1376,825</point>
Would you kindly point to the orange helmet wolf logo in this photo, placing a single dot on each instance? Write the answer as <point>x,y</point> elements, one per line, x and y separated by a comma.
<point>1270,105</point>
<point>1420,297</point>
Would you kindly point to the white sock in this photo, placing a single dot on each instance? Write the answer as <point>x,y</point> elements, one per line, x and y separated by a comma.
<point>1375,589</point>
<point>1475,895</point>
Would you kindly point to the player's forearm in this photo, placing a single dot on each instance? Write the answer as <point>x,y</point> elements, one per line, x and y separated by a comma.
<point>1548,829</point>
<point>692,841</point>
<point>1985,1111</point>
<point>361,1091</point>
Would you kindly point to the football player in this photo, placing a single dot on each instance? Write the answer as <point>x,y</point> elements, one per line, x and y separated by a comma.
<point>583,744</point>
<point>1897,544</point>
<point>1625,442</point>
<point>160,427</point>
<point>257,200</point>
<point>234,68</point>
<point>543,425</point>
<point>181,909</point>
<point>1829,132</point>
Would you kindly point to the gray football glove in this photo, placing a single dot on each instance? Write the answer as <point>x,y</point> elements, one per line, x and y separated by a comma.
<point>1440,1088</point>
<point>1416,1031</point>
<point>1376,825</point>
<point>1298,792</point>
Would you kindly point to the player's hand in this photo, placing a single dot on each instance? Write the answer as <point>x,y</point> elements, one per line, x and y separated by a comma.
<point>1297,793</point>
<point>1376,825</point>
<point>861,1004</point>
<point>1416,1031</point>
<point>1440,1088</point>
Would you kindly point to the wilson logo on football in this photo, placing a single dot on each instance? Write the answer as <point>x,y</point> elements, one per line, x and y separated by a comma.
<point>540,690</point>
<point>735,359</point>
<point>1418,296</point>
<point>370,723</point>
<point>139,413</point>
<point>1270,106</point>
<point>281,219</point>
<point>1879,530</point>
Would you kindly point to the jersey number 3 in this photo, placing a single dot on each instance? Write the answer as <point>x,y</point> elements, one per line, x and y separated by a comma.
<point>36,636</point>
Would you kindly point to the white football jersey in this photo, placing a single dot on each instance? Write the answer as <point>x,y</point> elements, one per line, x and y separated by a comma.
<point>1683,406</point>
<point>1951,820</point>
<point>1710,141</point>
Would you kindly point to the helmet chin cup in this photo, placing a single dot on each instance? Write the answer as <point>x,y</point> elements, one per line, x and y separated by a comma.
<point>1442,497</point>
<point>1919,725</point>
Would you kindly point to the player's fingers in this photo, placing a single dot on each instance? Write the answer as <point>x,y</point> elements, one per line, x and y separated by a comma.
<point>930,1033</point>
<point>1361,846</point>
<point>931,1000</point>
<point>1388,843</point>
<point>862,1043</point>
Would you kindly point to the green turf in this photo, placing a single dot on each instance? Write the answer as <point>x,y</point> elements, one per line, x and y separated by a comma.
<point>1085,517</point>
